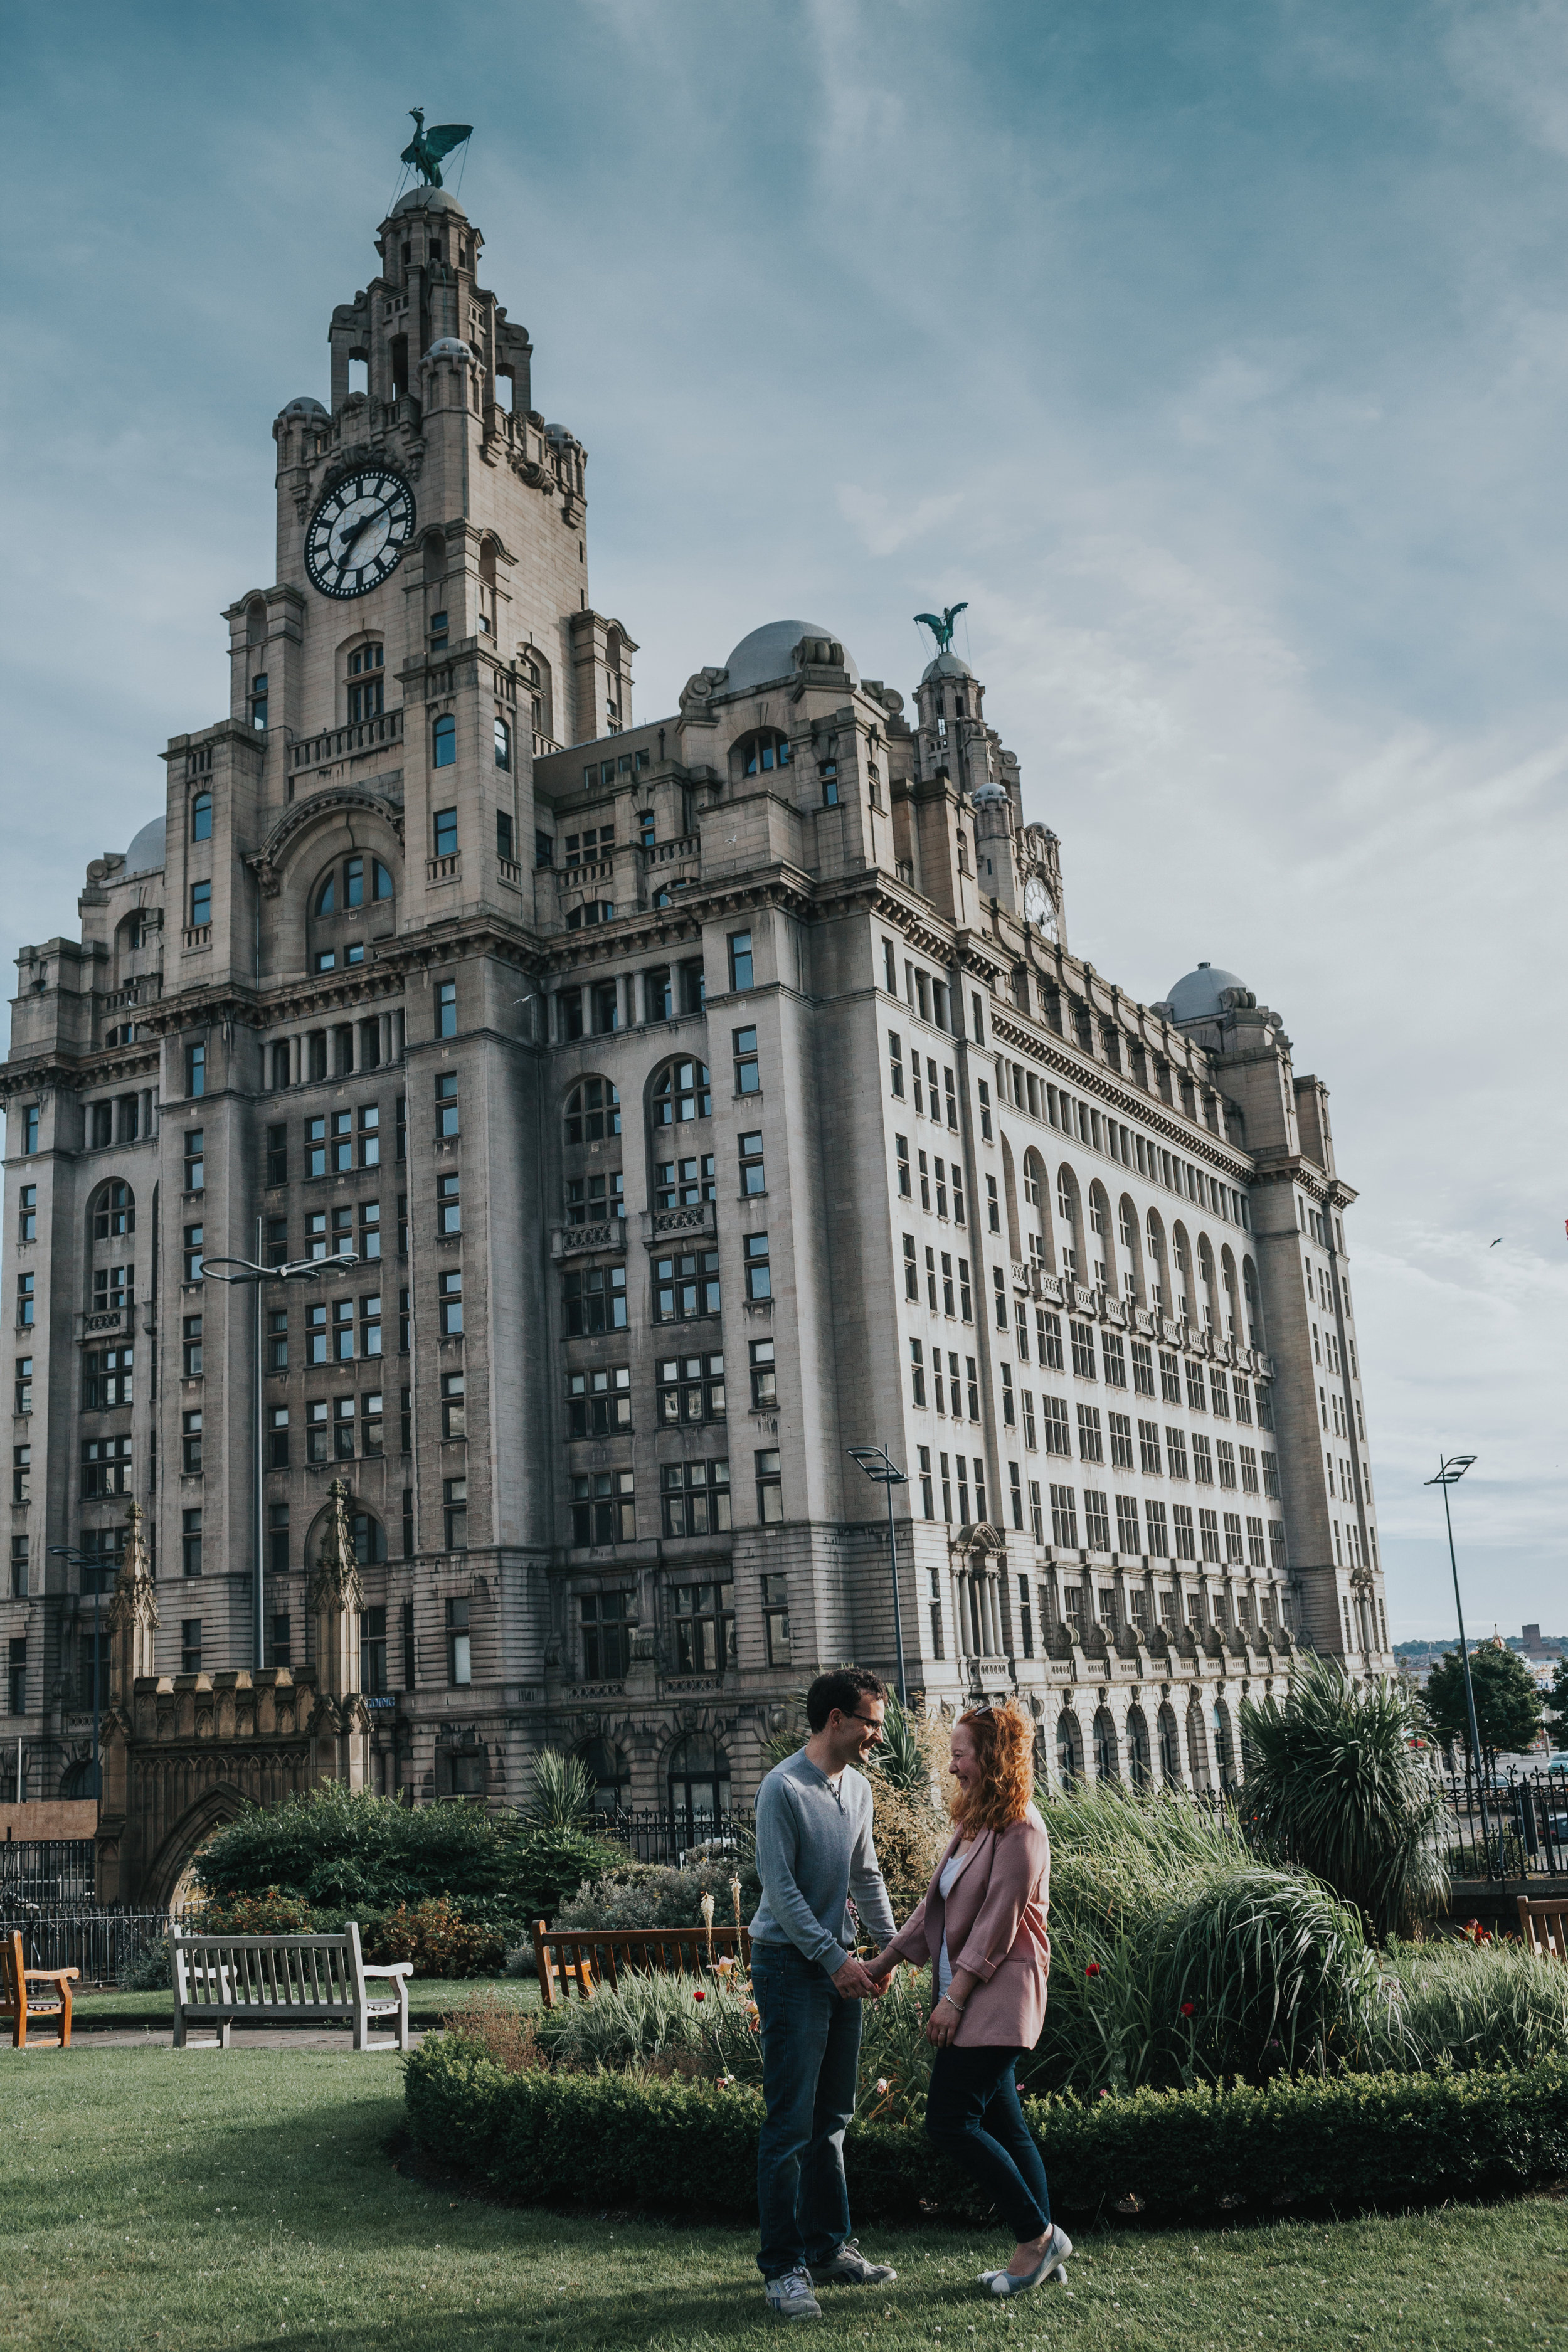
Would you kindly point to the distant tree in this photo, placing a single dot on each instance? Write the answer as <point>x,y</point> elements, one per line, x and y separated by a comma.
<point>1507,1704</point>
<point>1557,1697</point>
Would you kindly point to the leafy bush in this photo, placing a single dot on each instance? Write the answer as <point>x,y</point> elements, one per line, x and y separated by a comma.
<point>436,1938</point>
<point>562,1795</point>
<point>1335,1786</point>
<point>1460,2004</point>
<point>148,1969</point>
<point>1360,2143</point>
<point>655,1895</point>
<point>271,1914</point>
<point>359,1854</point>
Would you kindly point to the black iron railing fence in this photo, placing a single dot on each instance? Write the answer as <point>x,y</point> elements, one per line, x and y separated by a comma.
<point>100,1940</point>
<point>1526,1827</point>
<point>656,1835</point>
<point>45,1870</point>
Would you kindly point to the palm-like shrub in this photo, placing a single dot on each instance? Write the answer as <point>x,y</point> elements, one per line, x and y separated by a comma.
<point>1335,1786</point>
<point>562,1797</point>
<point>1262,1972</point>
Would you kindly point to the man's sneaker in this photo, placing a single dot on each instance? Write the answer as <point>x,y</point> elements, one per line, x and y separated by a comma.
<point>850,2268</point>
<point>790,2297</point>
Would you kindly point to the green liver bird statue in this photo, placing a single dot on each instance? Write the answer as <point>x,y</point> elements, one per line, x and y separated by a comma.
<point>942,630</point>
<point>425,149</point>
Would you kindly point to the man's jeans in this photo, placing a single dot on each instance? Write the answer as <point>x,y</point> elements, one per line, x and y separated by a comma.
<point>811,2052</point>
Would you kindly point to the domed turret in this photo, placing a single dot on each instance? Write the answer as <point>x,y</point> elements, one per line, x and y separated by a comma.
<point>1198,994</point>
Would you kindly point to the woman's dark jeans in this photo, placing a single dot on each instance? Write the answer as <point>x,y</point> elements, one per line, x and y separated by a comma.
<point>972,2115</point>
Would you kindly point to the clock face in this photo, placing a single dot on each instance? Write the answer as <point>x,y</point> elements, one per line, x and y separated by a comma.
<point>356,537</point>
<point>1038,905</point>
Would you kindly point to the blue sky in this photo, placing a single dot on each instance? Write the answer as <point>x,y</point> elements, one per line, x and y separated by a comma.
<point>1218,355</point>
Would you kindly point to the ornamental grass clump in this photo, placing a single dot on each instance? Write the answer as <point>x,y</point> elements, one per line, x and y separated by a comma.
<point>1466,2004</point>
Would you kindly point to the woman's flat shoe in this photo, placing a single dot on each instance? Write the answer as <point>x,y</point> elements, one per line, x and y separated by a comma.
<point>1058,2246</point>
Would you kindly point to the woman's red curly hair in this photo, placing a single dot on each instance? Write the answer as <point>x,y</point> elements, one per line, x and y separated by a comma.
<point>1003,1744</point>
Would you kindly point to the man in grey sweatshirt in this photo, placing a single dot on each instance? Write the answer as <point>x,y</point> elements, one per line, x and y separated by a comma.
<point>814,1849</point>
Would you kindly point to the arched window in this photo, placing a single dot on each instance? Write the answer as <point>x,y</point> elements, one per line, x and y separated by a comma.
<point>1129,1222</point>
<point>761,752</point>
<point>202,817</point>
<point>503,744</point>
<point>698,1773</point>
<point>366,666</point>
<point>1206,1281</point>
<point>1127,1218</point>
<point>1100,1226</point>
<point>1067,1212</point>
<point>327,896</point>
<point>681,1092</point>
<point>1010,1198</point>
<point>114,1213</point>
<point>255,624</point>
<point>344,889</point>
<point>606,1767</point>
<point>444,740</point>
<point>1170,1748</point>
<point>1184,1263</point>
<point>1036,1201</point>
<point>593,1111</point>
<point>488,588</point>
<point>1158,1282</point>
<point>1105,1763</point>
<point>1197,1748</point>
<point>1070,1748</point>
<point>1254,1310</point>
<point>1225,1752</point>
<point>1138,1747</point>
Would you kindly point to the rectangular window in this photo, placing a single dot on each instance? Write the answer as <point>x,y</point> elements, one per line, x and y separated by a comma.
<point>1265,1404</point>
<point>1129,1542</point>
<point>607,1634</point>
<point>1219,1395</point>
<point>1277,1546</point>
<point>759,1279</point>
<point>277,1437</point>
<point>1082,1336</point>
<point>603,1507</point>
<point>194,1165</point>
<point>1169,1377</point>
<point>1037,1526</point>
<point>453,1410</point>
<point>454,1513</point>
<point>369,1135</point>
<point>775,1619</point>
<point>684,1288</point>
<point>1016,1485</point>
<point>444,825</point>
<point>753,1180</point>
<point>371,1425</point>
<point>912,1269</point>
<point>108,1374</point>
<point>31,1128</point>
<point>1208,1534</point>
<point>1233,1550</point>
<point>1121,1429</point>
<point>690,1389</point>
<point>896,1064</point>
<point>1008,1412</point>
<point>704,1627</point>
<point>446,1008</point>
<point>459,1652</point>
<point>1096,1520</point>
<point>1058,1427</point>
<point>503,822</point>
<point>449,1301</point>
<point>1090,1442</point>
<point>1182,1523</point>
<point>1271,1475</point>
<point>449,1208</point>
<point>739,959</point>
<point>765,1384</point>
<point>1031,1433</point>
<point>1149,1448</point>
<point>694,1498</point>
<point>190,1645</point>
<point>370,1326</point>
<point>1256,1550</point>
<point>318,1434</point>
<point>1159,1541</point>
<point>190,1443</point>
<point>1064,1519</point>
<point>22,1473</point>
<point>1142,1369</point>
<point>917,1373</point>
<point>901,1149</point>
<point>1114,1360</point>
<point>191,1543</point>
<point>1241,1396</point>
<point>24,1390</point>
<point>195,1071</point>
<point>1196,1398</point>
<point>1202,1466</point>
<point>1249,1470</point>
<point>1225,1455</point>
<point>769,1489</point>
<point>105,1467</point>
<point>201,904</point>
<point>748,1080</point>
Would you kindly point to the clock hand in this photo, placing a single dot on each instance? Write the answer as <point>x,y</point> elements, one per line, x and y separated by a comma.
<point>353,538</point>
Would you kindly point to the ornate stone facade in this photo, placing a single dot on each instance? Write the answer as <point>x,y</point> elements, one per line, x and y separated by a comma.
<point>698,1097</point>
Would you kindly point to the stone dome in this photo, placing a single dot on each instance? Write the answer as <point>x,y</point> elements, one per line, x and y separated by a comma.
<point>945,666</point>
<point>448,347</point>
<point>146,853</point>
<point>305,407</point>
<point>767,655</point>
<point>427,200</point>
<point>1195,996</point>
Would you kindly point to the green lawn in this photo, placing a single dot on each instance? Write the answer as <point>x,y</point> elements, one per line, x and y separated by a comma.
<point>193,2201</point>
<point>430,1999</point>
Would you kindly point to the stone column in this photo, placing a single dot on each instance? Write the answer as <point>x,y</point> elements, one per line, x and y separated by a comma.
<point>341,1724</point>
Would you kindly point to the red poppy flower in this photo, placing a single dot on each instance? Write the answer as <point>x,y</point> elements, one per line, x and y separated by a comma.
<point>1092,1968</point>
<point>699,1994</point>
<point>1189,2009</point>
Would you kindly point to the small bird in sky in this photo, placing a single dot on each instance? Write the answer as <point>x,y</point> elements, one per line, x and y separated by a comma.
<point>1493,1245</point>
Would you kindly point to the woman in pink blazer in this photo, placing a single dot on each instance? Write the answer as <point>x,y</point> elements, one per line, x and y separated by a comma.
<point>982,1925</point>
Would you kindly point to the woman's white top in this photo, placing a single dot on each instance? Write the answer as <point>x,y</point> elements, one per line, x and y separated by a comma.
<point>949,1871</point>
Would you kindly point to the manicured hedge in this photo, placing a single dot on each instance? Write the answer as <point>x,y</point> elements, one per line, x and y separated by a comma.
<point>1362,2142</point>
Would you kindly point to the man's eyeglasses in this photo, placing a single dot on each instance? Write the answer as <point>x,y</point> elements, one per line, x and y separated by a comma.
<point>870,1723</point>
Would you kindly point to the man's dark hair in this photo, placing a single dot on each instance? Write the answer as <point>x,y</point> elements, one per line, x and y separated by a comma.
<point>844,1688</point>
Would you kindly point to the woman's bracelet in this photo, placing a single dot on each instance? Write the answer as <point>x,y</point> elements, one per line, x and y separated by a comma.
<point>957,2006</point>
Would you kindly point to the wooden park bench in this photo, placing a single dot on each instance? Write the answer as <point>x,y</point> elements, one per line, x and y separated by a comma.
<point>222,1981</point>
<point>588,1957</point>
<point>19,2005</point>
<point>1543,1925</point>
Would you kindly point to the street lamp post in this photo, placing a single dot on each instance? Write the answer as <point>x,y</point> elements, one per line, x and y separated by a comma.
<point>251,1270</point>
<point>1449,1473</point>
<point>78,1559</point>
<point>883,1471</point>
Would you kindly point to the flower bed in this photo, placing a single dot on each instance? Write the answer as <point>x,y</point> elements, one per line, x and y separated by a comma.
<point>1364,2142</point>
